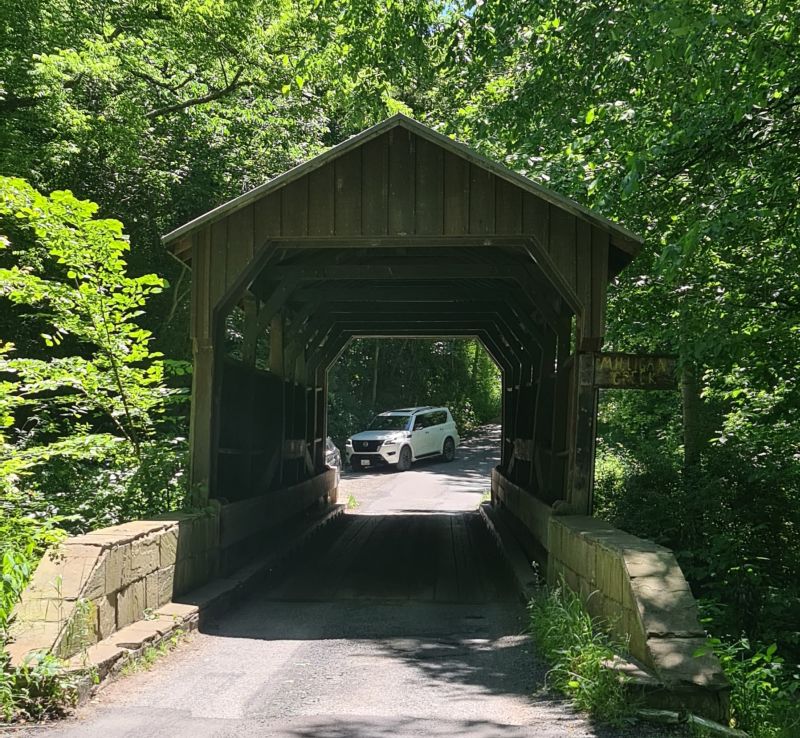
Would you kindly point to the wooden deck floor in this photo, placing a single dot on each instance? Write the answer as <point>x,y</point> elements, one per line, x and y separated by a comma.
<point>430,557</point>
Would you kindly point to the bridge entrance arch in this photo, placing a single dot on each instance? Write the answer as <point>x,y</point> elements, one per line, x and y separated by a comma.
<point>398,231</point>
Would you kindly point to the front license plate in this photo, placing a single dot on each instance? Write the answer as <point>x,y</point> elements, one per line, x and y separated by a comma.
<point>365,462</point>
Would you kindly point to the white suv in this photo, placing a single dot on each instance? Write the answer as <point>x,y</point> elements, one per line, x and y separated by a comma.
<point>403,436</point>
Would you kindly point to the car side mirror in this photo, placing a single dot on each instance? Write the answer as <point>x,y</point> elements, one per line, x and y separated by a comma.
<point>418,426</point>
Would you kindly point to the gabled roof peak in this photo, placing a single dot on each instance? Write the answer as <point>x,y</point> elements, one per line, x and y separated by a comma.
<point>620,236</point>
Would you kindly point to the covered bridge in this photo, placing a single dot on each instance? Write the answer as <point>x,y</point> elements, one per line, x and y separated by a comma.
<point>398,231</point>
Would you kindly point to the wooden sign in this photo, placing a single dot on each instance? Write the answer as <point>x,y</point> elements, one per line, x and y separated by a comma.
<point>634,371</point>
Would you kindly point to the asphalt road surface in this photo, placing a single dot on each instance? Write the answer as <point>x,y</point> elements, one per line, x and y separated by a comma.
<point>398,621</point>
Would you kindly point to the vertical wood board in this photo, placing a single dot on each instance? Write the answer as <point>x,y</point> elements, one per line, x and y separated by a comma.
<point>456,195</point>
<point>266,219</point>
<point>536,219</point>
<point>294,208</point>
<point>508,206</point>
<point>562,243</point>
<point>321,185</point>
<point>375,186</point>
<point>217,264</point>
<point>240,244</point>
<point>481,201</point>
<point>429,194</point>
<point>599,281</point>
<point>401,182</point>
<point>583,274</point>
<point>348,194</point>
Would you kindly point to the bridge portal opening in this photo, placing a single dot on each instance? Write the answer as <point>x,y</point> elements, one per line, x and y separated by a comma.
<point>397,232</point>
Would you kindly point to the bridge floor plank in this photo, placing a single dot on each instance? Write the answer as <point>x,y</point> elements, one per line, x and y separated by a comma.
<point>430,557</point>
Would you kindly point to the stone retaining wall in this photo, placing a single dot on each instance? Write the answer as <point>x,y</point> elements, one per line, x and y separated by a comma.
<point>95,584</point>
<point>638,588</point>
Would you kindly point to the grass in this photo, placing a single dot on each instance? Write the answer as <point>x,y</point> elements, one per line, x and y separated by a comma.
<point>352,502</point>
<point>576,649</point>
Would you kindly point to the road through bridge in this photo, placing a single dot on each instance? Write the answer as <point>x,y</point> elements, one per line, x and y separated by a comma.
<point>399,621</point>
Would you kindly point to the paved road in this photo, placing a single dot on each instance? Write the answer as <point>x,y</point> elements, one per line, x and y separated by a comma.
<point>393,623</point>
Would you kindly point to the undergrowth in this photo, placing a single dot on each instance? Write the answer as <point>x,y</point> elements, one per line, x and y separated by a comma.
<point>576,648</point>
<point>765,695</point>
<point>35,691</point>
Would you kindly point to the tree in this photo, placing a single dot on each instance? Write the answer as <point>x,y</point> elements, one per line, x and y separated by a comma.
<point>97,392</point>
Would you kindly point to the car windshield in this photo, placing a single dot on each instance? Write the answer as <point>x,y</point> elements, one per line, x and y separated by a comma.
<point>389,422</point>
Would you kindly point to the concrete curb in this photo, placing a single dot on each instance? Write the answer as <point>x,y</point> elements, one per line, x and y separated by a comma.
<point>97,665</point>
<point>525,575</point>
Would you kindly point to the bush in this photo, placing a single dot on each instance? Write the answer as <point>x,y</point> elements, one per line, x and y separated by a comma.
<point>764,697</point>
<point>38,690</point>
<point>576,648</point>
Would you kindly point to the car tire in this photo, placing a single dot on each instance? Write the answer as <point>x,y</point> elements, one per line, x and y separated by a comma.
<point>404,460</point>
<point>354,467</point>
<point>449,449</point>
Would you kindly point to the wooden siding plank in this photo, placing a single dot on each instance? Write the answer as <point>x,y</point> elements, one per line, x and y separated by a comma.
<point>456,195</point>
<point>481,200</point>
<point>240,244</point>
<point>294,209</point>
<point>536,220</point>
<point>320,201</point>
<point>347,207</point>
<point>600,246</point>
<point>583,273</point>
<point>266,220</point>
<point>375,186</point>
<point>562,243</point>
<point>201,250</point>
<point>429,194</point>
<point>217,264</point>
<point>508,206</point>
<point>401,181</point>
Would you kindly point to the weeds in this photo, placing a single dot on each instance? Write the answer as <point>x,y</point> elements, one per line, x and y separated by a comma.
<point>574,645</point>
<point>764,697</point>
<point>152,654</point>
<point>35,691</point>
<point>352,502</point>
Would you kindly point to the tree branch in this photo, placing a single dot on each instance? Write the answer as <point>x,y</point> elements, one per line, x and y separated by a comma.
<point>191,102</point>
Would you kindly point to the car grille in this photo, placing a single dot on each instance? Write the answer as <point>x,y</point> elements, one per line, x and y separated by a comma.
<point>366,445</point>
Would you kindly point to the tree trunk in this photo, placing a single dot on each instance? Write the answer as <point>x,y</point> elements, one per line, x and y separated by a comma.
<point>474,372</point>
<point>695,425</point>
<point>375,373</point>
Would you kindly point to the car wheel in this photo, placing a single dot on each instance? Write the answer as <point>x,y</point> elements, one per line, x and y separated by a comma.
<point>353,466</point>
<point>404,461</point>
<point>449,450</point>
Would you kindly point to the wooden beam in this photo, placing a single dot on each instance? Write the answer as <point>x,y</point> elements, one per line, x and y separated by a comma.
<point>276,365</point>
<point>405,242</point>
<point>583,438</point>
<point>405,269</point>
<point>275,302</point>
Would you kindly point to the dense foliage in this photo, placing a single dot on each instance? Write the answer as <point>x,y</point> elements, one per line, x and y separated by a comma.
<point>681,119</point>
<point>374,375</point>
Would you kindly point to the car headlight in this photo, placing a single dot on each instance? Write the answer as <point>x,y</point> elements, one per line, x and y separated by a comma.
<point>349,442</point>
